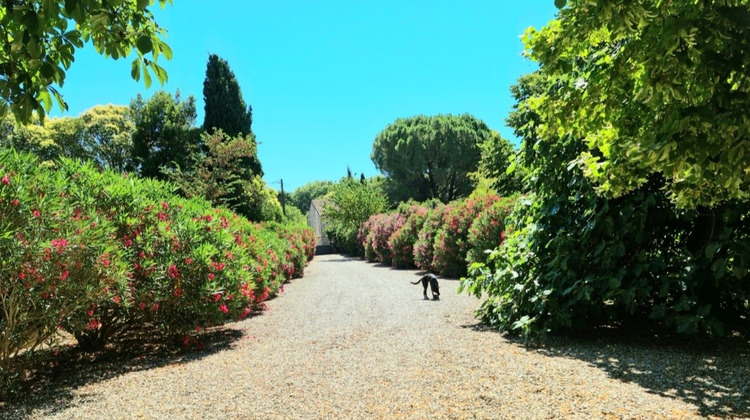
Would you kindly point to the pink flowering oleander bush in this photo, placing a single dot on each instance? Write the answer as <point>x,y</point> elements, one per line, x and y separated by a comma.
<point>423,248</point>
<point>487,232</point>
<point>451,242</point>
<point>366,237</point>
<point>98,253</point>
<point>383,228</point>
<point>438,239</point>
<point>401,242</point>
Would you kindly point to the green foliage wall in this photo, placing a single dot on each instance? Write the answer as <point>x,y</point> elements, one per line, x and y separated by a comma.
<point>577,260</point>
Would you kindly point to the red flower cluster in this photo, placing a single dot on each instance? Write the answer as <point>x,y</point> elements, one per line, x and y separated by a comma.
<point>60,244</point>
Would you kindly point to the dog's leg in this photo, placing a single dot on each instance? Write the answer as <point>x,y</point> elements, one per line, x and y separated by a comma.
<point>435,289</point>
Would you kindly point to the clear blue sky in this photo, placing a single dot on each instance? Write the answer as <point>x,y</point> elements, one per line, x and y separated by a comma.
<point>325,77</point>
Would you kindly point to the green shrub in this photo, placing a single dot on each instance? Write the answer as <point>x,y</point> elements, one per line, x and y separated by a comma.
<point>384,227</point>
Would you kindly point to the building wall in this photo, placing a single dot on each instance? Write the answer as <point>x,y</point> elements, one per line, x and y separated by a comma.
<point>314,220</point>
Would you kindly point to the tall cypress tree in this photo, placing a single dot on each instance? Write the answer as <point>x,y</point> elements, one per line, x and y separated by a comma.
<point>224,107</point>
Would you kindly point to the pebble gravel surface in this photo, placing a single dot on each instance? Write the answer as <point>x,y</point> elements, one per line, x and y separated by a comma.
<point>356,340</point>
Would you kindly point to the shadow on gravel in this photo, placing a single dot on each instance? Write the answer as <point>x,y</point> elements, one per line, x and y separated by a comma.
<point>712,374</point>
<point>54,375</point>
<point>339,259</point>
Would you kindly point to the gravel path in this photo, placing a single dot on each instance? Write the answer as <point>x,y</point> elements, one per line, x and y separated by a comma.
<point>356,340</point>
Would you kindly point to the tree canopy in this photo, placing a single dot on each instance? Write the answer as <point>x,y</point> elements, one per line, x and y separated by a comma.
<point>426,157</point>
<point>102,134</point>
<point>107,131</point>
<point>164,133</point>
<point>652,87</point>
<point>347,206</point>
<point>497,157</point>
<point>222,175</point>
<point>304,195</point>
<point>40,39</point>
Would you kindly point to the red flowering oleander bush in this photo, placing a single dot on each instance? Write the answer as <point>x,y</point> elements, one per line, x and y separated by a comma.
<point>56,257</point>
<point>97,253</point>
<point>423,248</point>
<point>487,232</point>
<point>401,242</point>
<point>308,241</point>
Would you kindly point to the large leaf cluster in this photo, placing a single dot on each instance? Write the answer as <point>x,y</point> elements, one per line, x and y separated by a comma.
<point>576,259</point>
<point>652,87</point>
<point>40,38</point>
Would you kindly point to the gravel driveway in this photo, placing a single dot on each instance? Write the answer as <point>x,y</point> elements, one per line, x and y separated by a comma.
<point>356,340</point>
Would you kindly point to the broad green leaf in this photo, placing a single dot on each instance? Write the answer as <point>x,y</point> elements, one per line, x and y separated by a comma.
<point>144,44</point>
<point>46,100</point>
<point>166,50</point>
<point>47,70</point>
<point>34,48</point>
<point>160,72</point>
<point>146,76</point>
<point>135,69</point>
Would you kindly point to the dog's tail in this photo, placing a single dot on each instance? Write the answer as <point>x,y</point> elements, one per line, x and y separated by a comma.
<point>416,282</point>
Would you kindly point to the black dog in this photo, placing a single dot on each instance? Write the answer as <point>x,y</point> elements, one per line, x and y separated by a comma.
<point>432,280</point>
